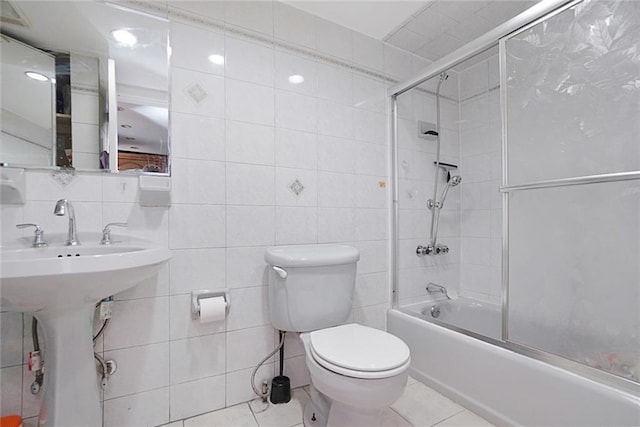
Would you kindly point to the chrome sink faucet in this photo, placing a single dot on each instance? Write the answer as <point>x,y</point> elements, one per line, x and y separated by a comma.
<point>63,206</point>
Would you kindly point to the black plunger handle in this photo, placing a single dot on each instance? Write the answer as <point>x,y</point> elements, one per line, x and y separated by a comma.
<point>282,354</point>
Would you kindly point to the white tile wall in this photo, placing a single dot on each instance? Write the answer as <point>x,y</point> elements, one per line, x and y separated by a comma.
<point>416,157</point>
<point>286,196</point>
<point>296,112</point>
<point>205,136</point>
<point>480,201</point>
<point>140,368</point>
<point>249,102</point>
<point>248,61</point>
<point>334,40</point>
<point>147,408</point>
<point>195,56</point>
<point>138,322</point>
<point>211,88</point>
<point>293,25</point>
<point>235,152</point>
<point>471,221</point>
<point>251,143</point>
<point>197,397</point>
<point>367,52</point>
<point>287,65</point>
<point>187,361</point>
<point>253,15</point>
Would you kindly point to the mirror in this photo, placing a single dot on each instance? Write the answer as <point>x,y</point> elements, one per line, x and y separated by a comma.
<point>85,85</point>
<point>28,98</point>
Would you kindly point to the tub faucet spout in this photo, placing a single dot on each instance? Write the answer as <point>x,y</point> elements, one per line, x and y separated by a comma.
<point>434,288</point>
<point>63,206</point>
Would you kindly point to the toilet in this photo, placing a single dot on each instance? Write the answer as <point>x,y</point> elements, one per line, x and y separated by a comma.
<point>356,371</point>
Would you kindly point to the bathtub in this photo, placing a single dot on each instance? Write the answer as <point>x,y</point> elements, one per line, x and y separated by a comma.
<point>505,387</point>
<point>479,317</point>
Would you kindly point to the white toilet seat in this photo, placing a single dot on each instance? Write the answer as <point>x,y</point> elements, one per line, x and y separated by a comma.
<point>359,352</point>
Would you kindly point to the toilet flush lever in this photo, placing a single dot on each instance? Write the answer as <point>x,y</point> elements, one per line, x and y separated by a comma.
<point>281,271</point>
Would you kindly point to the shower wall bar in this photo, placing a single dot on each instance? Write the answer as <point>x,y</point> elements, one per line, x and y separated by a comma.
<point>564,182</point>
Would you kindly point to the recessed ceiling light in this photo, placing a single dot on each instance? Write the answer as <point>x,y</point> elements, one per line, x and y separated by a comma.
<point>130,138</point>
<point>124,37</point>
<point>296,79</point>
<point>216,59</point>
<point>36,76</point>
<point>126,126</point>
<point>120,108</point>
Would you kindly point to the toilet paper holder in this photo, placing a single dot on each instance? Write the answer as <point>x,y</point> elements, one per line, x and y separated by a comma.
<point>196,296</point>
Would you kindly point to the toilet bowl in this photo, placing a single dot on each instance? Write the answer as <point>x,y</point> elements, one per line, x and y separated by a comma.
<point>351,385</point>
<point>356,371</point>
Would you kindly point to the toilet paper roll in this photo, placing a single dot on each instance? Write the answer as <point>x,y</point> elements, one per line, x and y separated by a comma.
<point>212,309</point>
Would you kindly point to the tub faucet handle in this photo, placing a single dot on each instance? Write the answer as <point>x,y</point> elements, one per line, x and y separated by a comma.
<point>424,250</point>
<point>38,235</point>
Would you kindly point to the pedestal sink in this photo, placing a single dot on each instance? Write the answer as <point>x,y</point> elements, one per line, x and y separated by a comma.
<point>60,286</point>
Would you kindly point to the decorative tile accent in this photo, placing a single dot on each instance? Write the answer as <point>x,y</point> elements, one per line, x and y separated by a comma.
<point>63,177</point>
<point>197,93</point>
<point>296,187</point>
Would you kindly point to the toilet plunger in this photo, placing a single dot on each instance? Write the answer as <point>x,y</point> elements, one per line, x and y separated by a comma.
<point>281,386</point>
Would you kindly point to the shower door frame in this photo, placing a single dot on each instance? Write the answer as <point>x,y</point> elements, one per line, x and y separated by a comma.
<point>498,36</point>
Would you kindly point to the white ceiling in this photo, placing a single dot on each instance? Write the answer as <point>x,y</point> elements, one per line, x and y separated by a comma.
<point>373,18</point>
<point>445,25</point>
<point>430,29</point>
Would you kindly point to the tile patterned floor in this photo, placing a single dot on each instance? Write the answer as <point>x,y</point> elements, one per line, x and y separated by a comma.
<point>419,406</point>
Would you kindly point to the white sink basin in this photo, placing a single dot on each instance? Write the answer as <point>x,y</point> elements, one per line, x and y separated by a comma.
<point>60,285</point>
<point>61,276</point>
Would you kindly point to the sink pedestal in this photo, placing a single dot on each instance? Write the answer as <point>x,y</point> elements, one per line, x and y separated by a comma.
<point>71,390</point>
<point>60,286</point>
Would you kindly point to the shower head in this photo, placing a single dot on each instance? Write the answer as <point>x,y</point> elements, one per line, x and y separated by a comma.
<point>452,181</point>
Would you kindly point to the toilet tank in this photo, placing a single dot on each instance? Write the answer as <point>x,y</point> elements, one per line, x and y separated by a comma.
<point>311,286</point>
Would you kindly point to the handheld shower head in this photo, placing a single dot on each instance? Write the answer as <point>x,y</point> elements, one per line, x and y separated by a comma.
<point>451,182</point>
<point>455,180</point>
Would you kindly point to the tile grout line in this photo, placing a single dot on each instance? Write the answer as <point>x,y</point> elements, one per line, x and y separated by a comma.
<point>401,416</point>
<point>451,416</point>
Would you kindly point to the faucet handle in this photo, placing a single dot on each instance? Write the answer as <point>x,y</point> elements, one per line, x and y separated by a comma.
<point>106,232</point>
<point>38,236</point>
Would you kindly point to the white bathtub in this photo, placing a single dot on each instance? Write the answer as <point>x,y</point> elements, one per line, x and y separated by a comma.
<point>503,386</point>
<point>479,317</point>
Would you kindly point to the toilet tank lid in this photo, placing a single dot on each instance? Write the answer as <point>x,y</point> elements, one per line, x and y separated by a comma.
<point>311,255</point>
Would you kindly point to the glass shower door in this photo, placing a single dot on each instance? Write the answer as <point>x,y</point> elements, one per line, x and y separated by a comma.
<point>571,91</point>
